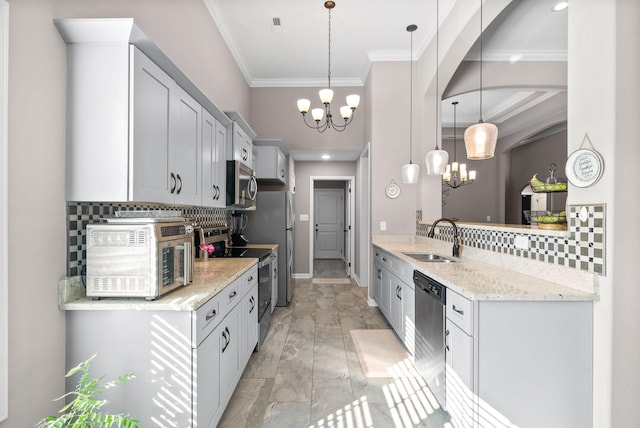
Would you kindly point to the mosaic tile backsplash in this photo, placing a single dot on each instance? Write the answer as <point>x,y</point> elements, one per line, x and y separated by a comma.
<point>79,214</point>
<point>582,247</point>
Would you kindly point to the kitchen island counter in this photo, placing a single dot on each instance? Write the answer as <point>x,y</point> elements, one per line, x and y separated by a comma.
<point>211,276</point>
<point>477,280</point>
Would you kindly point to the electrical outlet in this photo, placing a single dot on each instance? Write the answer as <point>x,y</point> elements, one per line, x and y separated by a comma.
<point>383,225</point>
<point>522,242</point>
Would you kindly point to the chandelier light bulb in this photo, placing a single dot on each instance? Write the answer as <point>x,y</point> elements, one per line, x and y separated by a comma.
<point>303,105</point>
<point>326,96</point>
<point>317,114</point>
<point>345,112</point>
<point>353,101</point>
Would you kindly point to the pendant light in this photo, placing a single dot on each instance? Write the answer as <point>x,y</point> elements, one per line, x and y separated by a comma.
<point>437,159</point>
<point>480,139</point>
<point>411,171</point>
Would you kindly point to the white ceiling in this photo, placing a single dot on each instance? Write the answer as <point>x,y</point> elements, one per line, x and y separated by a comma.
<point>363,31</point>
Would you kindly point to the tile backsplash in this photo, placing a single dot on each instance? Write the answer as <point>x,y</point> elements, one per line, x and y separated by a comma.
<point>79,214</point>
<point>581,247</point>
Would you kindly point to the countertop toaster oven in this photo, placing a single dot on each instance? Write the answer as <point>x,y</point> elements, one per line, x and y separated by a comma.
<point>146,257</point>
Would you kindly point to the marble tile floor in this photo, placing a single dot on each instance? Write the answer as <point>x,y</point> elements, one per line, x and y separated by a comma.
<point>307,373</point>
<point>329,268</point>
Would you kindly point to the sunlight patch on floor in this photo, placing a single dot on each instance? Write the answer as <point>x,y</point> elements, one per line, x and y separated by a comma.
<point>409,400</point>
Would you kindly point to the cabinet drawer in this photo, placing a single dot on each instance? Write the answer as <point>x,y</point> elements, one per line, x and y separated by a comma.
<point>460,311</point>
<point>205,320</point>
<point>381,257</point>
<point>402,269</point>
<point>248,280</point>
<point>230,296</point>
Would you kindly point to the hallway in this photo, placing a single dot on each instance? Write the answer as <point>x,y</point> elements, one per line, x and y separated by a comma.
<point>307,373</point>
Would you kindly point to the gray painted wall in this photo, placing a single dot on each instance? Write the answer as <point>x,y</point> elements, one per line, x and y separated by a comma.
<point>36,158</point>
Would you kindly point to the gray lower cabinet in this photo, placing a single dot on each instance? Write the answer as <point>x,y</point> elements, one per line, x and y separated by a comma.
<point>394,293</point>
<point>518,363</point>
<point>187,363</point>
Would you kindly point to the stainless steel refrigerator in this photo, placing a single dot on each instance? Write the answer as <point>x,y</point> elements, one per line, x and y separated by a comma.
<point>273,223</point>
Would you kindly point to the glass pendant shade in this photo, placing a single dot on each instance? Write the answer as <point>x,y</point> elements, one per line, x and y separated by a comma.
<point>436,161</point>
<point>410,173</point>
<point>480,140</point>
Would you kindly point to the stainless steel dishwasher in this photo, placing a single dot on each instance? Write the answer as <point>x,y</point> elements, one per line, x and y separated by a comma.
<point>430,345</point>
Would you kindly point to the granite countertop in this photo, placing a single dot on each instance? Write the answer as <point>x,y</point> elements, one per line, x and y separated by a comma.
<point>211,277</point>
<point>478,280</point>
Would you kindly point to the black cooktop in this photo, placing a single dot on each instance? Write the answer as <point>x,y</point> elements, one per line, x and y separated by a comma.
<point>256,253</point>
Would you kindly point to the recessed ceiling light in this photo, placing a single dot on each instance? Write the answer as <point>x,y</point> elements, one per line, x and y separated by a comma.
<point>325,157</point>
<point>560,6</point>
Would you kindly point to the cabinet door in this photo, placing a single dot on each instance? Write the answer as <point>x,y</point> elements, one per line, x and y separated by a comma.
<point>292,174</point>
<point>221,161</point>
<point>409,318</point>
<point>282,167</point>
<point>229,338</point>
<point>242,146</point>
<point>385,292</point>
<point>459,375</point>
<point>186,149</point>
<point>395,304</point>
<point>213,161</point>
<point>377,284</point>
<point>274,288</point>
<point>150,127</point>
<point>249,330</point>
<point>206,387</point>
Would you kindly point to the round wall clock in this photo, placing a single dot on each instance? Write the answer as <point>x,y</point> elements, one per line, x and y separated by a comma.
<point>584,167</point>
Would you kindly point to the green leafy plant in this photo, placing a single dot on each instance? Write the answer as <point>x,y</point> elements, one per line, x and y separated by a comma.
<point>83,411</point>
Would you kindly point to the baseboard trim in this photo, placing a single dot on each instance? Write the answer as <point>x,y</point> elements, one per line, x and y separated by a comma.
<point>301,276</point>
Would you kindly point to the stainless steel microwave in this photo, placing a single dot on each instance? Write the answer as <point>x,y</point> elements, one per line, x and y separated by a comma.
<point>138,260</point>
<point>242,186</point>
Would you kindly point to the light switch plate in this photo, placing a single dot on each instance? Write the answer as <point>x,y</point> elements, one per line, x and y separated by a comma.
<point>383,225</point>
<point>304,217</point>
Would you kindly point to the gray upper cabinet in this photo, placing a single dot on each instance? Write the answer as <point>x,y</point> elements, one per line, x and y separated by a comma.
<point>271,164</point>
<point>214,156</point>
<point>241,143</point>
<point>166,124</point>
<point>135,121</point>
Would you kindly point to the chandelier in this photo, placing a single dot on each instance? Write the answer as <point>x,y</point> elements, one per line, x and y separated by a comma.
<point>326,95</point>
<point>456,174</point>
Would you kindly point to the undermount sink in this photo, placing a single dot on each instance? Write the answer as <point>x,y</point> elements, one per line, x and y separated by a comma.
<point>430,257</point>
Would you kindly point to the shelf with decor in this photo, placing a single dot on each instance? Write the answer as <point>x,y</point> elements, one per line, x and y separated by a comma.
<point>551,218</point>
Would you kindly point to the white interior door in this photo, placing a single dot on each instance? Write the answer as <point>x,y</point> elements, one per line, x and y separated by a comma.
<point>329,223</point>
